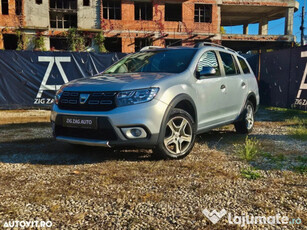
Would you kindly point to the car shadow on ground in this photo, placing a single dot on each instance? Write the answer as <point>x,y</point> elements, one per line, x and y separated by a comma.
<point>33,144</point>
<point>47,151</point>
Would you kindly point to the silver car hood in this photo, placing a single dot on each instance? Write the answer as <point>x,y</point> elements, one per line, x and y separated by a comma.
<point>115,82</point>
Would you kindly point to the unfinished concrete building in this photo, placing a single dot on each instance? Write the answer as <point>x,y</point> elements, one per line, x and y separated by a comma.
<point>49,18</point>
<point>129,25</point>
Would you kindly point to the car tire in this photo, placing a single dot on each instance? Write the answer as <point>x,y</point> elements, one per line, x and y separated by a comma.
<point>177,136</point>
<point>246,124</point>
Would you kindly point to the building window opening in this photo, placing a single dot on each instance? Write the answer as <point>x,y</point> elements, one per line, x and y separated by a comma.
<point>112,10</point>
<point>39,2</point>
<point>5,7</point>
<point>57,43</point>
<point>203,13</point>
<point>86,2</point>
<point>18,7</point>
<point>10,41</point>
<point>113,44</point>
<point>142,42</point>
<point>63,20</point>
<point>173,12</point>
<point>143,11</point>
<point>63,4</point>
<point>173,42</point>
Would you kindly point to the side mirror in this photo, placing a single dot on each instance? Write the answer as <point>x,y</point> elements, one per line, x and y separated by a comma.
<point>205,72</point>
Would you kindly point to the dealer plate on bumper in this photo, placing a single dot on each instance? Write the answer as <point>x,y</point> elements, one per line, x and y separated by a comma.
<point>80,122</point>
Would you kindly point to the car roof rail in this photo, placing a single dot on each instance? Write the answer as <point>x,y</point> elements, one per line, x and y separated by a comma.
<point>150,48</point>
<point>201,44</point>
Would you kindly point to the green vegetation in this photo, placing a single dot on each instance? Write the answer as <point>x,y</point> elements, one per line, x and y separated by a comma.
<point>20,43</point>
<point>99,40</point>
<point>75,40</point>
<point>39,43</point>
<point>298,128</point>
<point>249,150</point>
<point>301,166</point>
<point>250,173</point>
<point>222,29</point>
<point>297,120</point>
<point>299,132</point>
<point>287,111</point>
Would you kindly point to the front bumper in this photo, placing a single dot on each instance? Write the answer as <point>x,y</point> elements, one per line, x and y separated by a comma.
<point>148,116</point>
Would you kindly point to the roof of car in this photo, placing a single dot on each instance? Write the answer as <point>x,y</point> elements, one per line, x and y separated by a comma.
<point>197,46</point>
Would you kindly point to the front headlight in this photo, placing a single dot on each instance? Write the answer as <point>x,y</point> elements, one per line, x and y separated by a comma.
<point>133,97</point>
<point>58,96</point>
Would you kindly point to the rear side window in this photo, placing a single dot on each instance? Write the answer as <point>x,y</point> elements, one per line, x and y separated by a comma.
<point>244,65</point>
<point>209,59</point>
<point>229,64</point>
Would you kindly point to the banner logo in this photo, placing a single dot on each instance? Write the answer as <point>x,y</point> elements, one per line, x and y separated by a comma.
<point>52,60</point>
<point>303,84</point>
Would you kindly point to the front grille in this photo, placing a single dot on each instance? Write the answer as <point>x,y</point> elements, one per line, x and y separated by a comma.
<point>104,132</point>
<point>87,101</point>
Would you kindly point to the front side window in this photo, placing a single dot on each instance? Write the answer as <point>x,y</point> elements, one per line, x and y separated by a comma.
<point>112,10</point>
<point>209,59</point>
<point>142,10</point>
<point>203,13</point>
<point>160,61</point>
<point>244,65</point>
<point>229,64</point>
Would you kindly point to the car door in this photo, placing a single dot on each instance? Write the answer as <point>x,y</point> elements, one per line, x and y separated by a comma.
<point>235,86</point>
<point>211,99</point>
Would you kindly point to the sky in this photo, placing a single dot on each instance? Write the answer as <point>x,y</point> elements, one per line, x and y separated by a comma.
<point>276,27</point>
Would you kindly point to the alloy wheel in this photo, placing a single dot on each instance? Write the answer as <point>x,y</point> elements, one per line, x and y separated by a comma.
<point>178,136</point>
<point>249,116</point>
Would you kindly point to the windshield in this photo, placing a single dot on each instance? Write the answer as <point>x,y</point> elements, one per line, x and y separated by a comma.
<point>166,61</point>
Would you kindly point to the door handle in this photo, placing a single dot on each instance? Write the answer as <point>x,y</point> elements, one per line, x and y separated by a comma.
<point>243,84</point>
<point>223,87</point>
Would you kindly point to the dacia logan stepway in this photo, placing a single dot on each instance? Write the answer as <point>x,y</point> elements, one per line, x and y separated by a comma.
<point>159,99</point>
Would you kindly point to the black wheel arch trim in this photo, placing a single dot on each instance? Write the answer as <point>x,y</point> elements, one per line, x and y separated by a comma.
<point>241,115</point>
<point>172,104</point>
<point>252,94</point>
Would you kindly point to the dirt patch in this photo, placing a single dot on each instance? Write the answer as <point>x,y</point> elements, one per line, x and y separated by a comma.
<point>96,188</point>
<point>23,116</point>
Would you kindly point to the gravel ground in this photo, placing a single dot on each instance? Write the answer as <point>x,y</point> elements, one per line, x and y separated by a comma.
<point>94,188</point>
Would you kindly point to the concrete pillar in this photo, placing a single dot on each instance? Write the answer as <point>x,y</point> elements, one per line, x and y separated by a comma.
<point>127,10</point>
<point>245,29</point>
<point>1,42</point>
<point>128,45</point>
<point>47,43</point>
<point>289,21</point>
<point>218,20</point>
<point>159,42</point>
<point>263,26</point>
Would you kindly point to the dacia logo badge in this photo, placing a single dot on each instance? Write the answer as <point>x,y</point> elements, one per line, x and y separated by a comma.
<point>83,98</point>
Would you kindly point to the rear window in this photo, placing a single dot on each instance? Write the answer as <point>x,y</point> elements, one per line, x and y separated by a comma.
<point>244,65</point>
